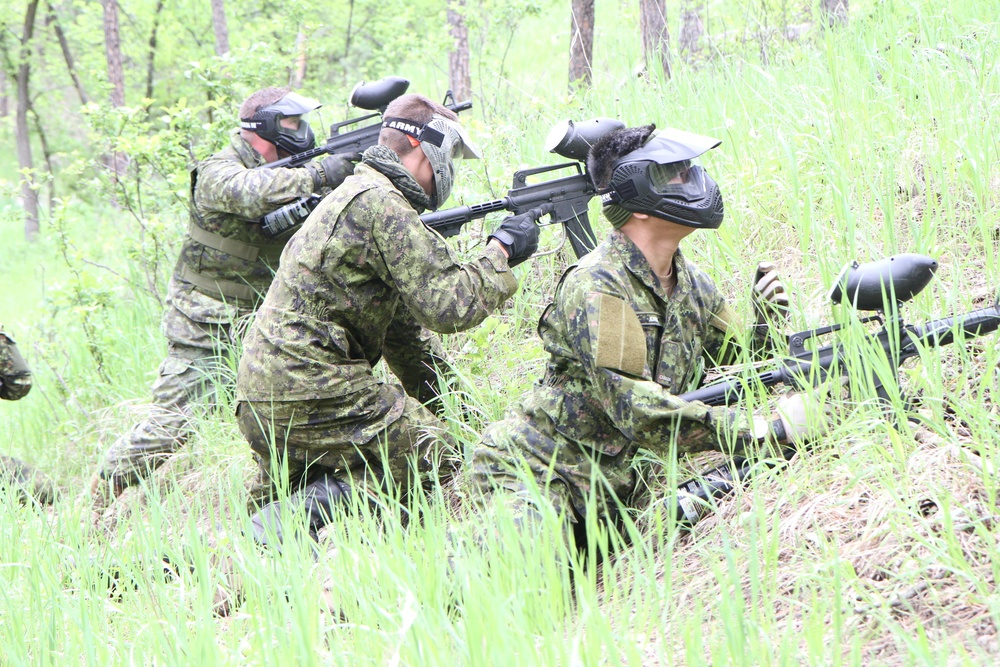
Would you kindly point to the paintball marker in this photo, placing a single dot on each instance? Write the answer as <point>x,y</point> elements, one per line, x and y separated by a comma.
<point>881,286</point>
<point>374,96</point>
<point>570,195</point>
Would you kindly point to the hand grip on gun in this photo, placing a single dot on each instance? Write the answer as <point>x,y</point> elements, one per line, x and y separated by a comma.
<point>770,300</point>
<point>804,416</point>
<point>518,234</point>
<point>332,169</point>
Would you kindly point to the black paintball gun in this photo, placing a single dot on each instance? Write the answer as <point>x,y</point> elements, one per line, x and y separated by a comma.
<point>375,97</point>
<point>570,195</point>
<point>881,287</point>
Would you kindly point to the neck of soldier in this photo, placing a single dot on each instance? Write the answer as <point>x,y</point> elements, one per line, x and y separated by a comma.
<point>657,239</point>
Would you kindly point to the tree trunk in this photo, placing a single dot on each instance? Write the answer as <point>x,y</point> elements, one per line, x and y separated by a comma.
<point>459,79</point>
<point>655,38</point>
<point>67,55</point>
<point>299,71</point>
<point>113,51</point>
<point>581,43</point>
<point>151,57</point>
<point>834,12</point>
<point>691,31</point>
<point>29,196</point>
<point>220,27</point>
<point>4,102</point>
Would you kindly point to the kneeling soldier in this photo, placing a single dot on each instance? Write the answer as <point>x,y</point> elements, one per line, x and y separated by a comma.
<point>15,383</point>
<point>629,329</point>
<point>357,283</point>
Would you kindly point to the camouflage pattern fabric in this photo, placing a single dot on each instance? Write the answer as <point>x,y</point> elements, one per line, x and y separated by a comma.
<point>15,377</point>
<point>376,437</point>
<point>577,431</point>
<point>229,198</point>
<point>15,383</point>
<point>356,284</point>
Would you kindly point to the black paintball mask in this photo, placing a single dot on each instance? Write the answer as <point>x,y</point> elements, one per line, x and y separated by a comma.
<point>266,123</point>
<point>663,179</point>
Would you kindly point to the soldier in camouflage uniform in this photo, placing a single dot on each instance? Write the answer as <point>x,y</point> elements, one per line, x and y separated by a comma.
<point>354,286</point>
<point>629,328</point>
<point>225,267</point>
<point>15,383</point>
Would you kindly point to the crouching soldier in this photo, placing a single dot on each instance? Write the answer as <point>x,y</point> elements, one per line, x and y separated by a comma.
<point>15,383</point>
<point>629,329</point>
<point>226,264</point>
<point>356,284</point>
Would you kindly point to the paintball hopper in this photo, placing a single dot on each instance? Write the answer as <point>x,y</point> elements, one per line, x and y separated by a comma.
<point>375,96</point>
<point>882,284</point>
<point>573,140</point>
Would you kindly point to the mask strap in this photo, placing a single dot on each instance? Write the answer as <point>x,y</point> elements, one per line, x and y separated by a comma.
<point>415,130</point>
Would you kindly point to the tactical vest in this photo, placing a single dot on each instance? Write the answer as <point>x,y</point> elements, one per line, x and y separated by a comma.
<point>225,256</point>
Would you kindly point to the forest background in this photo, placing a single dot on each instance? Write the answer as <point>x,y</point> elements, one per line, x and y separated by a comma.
<point>848,133</point>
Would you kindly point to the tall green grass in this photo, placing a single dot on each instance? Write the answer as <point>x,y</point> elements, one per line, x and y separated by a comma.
<point>878,546</point>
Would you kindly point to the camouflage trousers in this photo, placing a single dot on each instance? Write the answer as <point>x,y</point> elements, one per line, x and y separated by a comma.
<point>198,362</point>
<point>374,439</point>
<point>25,481</point>
<point>522,472</point>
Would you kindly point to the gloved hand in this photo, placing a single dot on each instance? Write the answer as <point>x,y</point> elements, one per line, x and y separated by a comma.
<point>332,169</point>
<point>804,416</point>
<point>770,301</point>
<point>518,234</point>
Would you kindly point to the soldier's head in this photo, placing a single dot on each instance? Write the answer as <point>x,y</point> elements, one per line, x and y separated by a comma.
<point>654,173</point>
<point>271,121</point>
<point>413,122</point>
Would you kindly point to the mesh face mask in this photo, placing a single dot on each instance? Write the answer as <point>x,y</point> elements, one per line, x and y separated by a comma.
<point>267,123</point>
<point>443,141</point>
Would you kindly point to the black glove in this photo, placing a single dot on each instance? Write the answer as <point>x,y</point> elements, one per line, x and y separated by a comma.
<point>333,169</point>
<point>518,234</point>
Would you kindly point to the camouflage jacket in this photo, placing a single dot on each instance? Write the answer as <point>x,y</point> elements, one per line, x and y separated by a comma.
<point>15,378</point>
<point>362,267</point>
<point>225,254</point>
<point>606,394</point>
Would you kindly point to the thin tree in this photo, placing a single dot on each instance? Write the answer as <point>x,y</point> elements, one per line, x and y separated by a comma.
<point>113,52</point>
<point>151,55</point>
<point>655,38</point>
<point>53,21</point>
<point>220,27</point>
<point>29,195</point>
<point>459,78</point>
<point>299,71</point>
<point>581,43</point>
<point>835,12</point>
<point>117,161</point>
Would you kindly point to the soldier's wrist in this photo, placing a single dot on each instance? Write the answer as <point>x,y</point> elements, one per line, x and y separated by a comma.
<point>318,176</point>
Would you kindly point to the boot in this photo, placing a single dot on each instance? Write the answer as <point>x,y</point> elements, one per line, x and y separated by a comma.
<point>26,480</point>
<point>317,500</point>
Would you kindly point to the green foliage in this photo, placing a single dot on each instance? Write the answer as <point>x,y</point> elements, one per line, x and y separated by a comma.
<point>877,546</point>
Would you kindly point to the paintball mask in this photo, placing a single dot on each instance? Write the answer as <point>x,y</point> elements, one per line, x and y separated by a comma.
<point>443,141</point>
<point>663,180</point>
<point>267,123</point>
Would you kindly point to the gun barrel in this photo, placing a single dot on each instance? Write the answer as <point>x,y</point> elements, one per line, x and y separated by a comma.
<point>942,332</point>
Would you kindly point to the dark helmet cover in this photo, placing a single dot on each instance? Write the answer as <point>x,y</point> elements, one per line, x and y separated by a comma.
<point>266,123</point>
<point>660,179</point>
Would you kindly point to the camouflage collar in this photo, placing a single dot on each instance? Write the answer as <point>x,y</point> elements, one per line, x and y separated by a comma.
<point>636,263</point>
<point>248,156</point>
